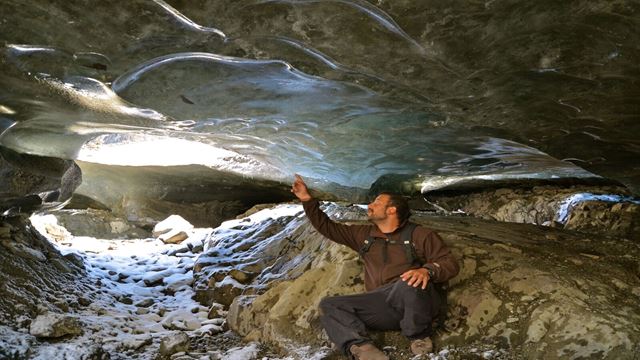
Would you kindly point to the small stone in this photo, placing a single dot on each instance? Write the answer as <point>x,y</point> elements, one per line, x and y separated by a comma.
<point>62,305</point>
<point>174,238</point>
<point>27,252</point>
<point>174,343</point>
<point>619,284</point>
<point>5,232</point>
<point>146,302</point>
<point>84,301</point>
<point>508,248</point>
<point>590,256</point>
<point>125,300</point>
<point>61,265</point>
<point>172,223</point>
<point>216,311</point>
<point>75,259</point>
<point>142,311</point>
<point>136,343</point>
<point>576,261</point>
<point>240,276</point>
<point>197,248</point>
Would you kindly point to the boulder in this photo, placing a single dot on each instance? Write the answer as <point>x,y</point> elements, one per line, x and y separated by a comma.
<point>172,230</point>
<point>51,325</point>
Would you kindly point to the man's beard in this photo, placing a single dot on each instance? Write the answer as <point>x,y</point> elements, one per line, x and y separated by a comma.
<point>373,218</point>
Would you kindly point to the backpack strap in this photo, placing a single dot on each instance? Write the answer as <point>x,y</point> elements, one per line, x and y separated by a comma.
<point>407,241</point>
<point>367,244</point>
<point>369,241</point>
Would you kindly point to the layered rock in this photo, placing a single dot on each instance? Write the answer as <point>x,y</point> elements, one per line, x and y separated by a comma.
<point>618,219</point>
<point>606,210</point>
<point>533,291</point>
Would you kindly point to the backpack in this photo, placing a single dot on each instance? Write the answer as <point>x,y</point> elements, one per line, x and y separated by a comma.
<point>406,240</point>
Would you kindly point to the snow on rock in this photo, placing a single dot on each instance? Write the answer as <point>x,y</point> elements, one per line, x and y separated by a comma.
<point>242,353</point>
<point>135,342</point>
<point>182,319</point>
<point>172,230</point>
<point>14,344</point>
<point>51,325</point>
<point>236,252</point>
<point>142,294</point>
<point>25,251</point>
<point>178,281</point>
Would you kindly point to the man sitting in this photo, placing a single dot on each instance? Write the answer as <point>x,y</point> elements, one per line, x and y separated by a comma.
<point>392,249</point>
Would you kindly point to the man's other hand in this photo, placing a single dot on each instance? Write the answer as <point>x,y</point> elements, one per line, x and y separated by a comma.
<point>416,277</point>
<point>299,189</point>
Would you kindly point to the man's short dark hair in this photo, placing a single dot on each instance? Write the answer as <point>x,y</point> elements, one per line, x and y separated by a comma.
<point>401,204</point>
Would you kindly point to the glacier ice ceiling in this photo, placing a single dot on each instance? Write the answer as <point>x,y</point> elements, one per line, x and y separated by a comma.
<point>244,93</point>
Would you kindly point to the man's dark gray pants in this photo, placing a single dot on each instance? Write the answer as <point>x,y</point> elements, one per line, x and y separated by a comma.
<point>395,306</point>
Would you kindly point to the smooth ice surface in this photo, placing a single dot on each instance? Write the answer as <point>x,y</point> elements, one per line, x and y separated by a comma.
<point>343,92</point>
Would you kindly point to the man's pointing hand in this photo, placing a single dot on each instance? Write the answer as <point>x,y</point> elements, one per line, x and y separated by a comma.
<point>299,189</point>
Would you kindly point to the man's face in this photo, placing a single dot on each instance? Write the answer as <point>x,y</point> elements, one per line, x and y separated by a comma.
<point>377,209</point>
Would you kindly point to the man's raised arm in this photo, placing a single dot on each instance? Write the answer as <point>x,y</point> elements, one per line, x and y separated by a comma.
<point>340,233</point>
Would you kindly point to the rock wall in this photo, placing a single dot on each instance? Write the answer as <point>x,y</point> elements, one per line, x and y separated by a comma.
<point>529,291</point>
<point>34,279</point>
<point>30,183</point>
<point>618,219</point>
<point>545,205</point>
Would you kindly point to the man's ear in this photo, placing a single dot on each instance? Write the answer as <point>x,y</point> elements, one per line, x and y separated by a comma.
<point>392,209</point>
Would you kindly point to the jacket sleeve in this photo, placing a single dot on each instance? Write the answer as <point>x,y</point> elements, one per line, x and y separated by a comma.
<point>336,232</point>
<point>439,258</point>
